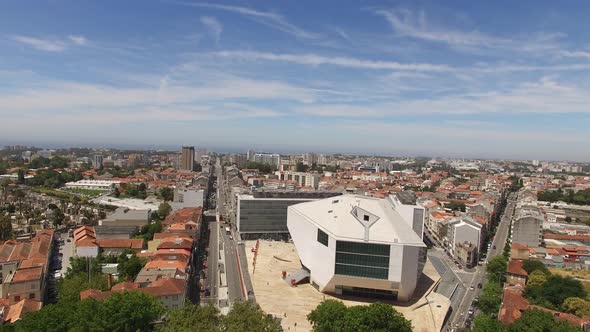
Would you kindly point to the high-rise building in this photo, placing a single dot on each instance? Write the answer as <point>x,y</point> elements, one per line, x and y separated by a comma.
<point>251,154</point>
<point>199,155</point>
<point>188,158</point>
<point>98,160</point>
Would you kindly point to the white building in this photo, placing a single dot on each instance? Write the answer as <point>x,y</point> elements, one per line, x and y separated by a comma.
<point>189,197</point>
<point>303,179</point>
<point>93,184</point>
<point>361,246</point>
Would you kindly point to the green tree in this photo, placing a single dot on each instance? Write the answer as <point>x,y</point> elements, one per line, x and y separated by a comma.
<point>456,206</point>
<point>328,316</point>
<point>496,267</point>
<point>490,298</point>
<point>536,279</point>
<point>300,167</point>
<point>5,227</point>
<point>164,210</point>
<point>248,317</point>
<point>193,318</point>
<point>555,291</point>
<point>130,311</point>
<point>375,317</point>
<point>21,176</point>
<point>128,268</point>
<point>539,321</point>
<point>69,288</point>
<point>166,193</point>
<point>531,265</point>
<point>577,306</point>
<point>486,323</point>
<point>51,318</point>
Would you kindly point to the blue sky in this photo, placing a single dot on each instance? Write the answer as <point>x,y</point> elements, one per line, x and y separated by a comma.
<point>454,78</point>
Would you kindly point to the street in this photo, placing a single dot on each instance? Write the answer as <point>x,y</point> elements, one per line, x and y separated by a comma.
<point>227,275</point>
<point>468,290</point>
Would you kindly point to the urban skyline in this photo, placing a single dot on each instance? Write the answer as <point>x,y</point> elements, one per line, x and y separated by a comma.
<point>403,78</point>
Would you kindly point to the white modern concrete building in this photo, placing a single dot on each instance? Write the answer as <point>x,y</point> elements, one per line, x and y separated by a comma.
<point>360,246</point>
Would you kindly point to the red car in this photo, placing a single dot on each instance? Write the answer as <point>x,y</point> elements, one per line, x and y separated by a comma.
<point>460,266</point>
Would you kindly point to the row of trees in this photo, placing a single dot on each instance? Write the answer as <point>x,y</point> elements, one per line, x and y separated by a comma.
<point>334,316</point>
<point>263,168</point>
<point>581,197</point>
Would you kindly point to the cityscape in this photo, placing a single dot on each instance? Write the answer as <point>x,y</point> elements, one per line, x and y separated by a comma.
<point>294,166</point>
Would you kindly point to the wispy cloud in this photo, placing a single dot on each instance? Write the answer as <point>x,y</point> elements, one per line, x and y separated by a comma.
<point>47,45</point>
<point>317,60</point>
<point>51,45</point>
<point>406,23</point>
<point>213,26</point>
<point>416,25</point>
<point>273,20</point>
<point>576,54</point>
<point>78,40</point>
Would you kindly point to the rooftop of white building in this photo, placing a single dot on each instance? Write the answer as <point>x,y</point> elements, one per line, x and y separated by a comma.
<point>336,216</point>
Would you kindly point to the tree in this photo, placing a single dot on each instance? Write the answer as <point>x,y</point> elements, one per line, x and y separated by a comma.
<point>491,297</point>
<point>375,317</point>
<point>5,227</point>
<point>456,206</point>
<point>166,193</point>
<point>496,267</point>
<point>555,291</point>
<point>300,167</point>
<point>193,318</point>
<point>248,317</point>
<point>536,279</point>
<point>486,323</point>
<point>530,266</point>
<point>327,316</point>
<point>164,210</point>
<point>539,321</point>
<point>332,315</point>
<point>21,176</point>
<point>126,311</point>
<point>128,268</point>
<point>70,287</point>
<point>577,306</point>
<point>130,311</point>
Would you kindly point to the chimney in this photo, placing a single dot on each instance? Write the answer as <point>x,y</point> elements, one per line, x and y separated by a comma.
<point>177,241</point>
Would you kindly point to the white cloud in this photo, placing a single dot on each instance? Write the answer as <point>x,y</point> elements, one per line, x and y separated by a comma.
<point>316,60</point>
<point>41,44</point>
<point>213,26</point>
<point>541,97</point>
<point>267,18</point>
<point>405,23</point>
<point>78,40</point>
<point>576,54</point>
<point>415,25</point>
<point>69,96</point>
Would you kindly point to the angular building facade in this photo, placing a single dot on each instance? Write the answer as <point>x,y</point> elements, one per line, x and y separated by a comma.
<point>360,246</point>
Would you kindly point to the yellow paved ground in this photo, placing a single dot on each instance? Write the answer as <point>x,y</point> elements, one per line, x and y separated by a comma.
<point>276,297</point>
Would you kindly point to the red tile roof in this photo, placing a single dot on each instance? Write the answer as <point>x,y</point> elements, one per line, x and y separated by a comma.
<point>515,267</point>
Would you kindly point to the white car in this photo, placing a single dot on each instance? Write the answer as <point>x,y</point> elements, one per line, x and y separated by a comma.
<point>57,275</point>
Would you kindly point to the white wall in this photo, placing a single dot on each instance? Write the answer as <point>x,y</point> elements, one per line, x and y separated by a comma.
<point>314,255</point>
<point>86,251</point>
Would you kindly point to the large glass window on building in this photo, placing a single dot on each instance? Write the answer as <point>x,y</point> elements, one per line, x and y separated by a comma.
<point>362,259</point>
<point>322,237</point>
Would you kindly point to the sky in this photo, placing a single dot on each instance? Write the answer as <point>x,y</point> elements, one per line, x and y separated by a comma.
<point>496,79</point>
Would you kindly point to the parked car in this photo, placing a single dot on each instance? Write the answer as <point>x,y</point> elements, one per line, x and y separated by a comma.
<point>479,285</point>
